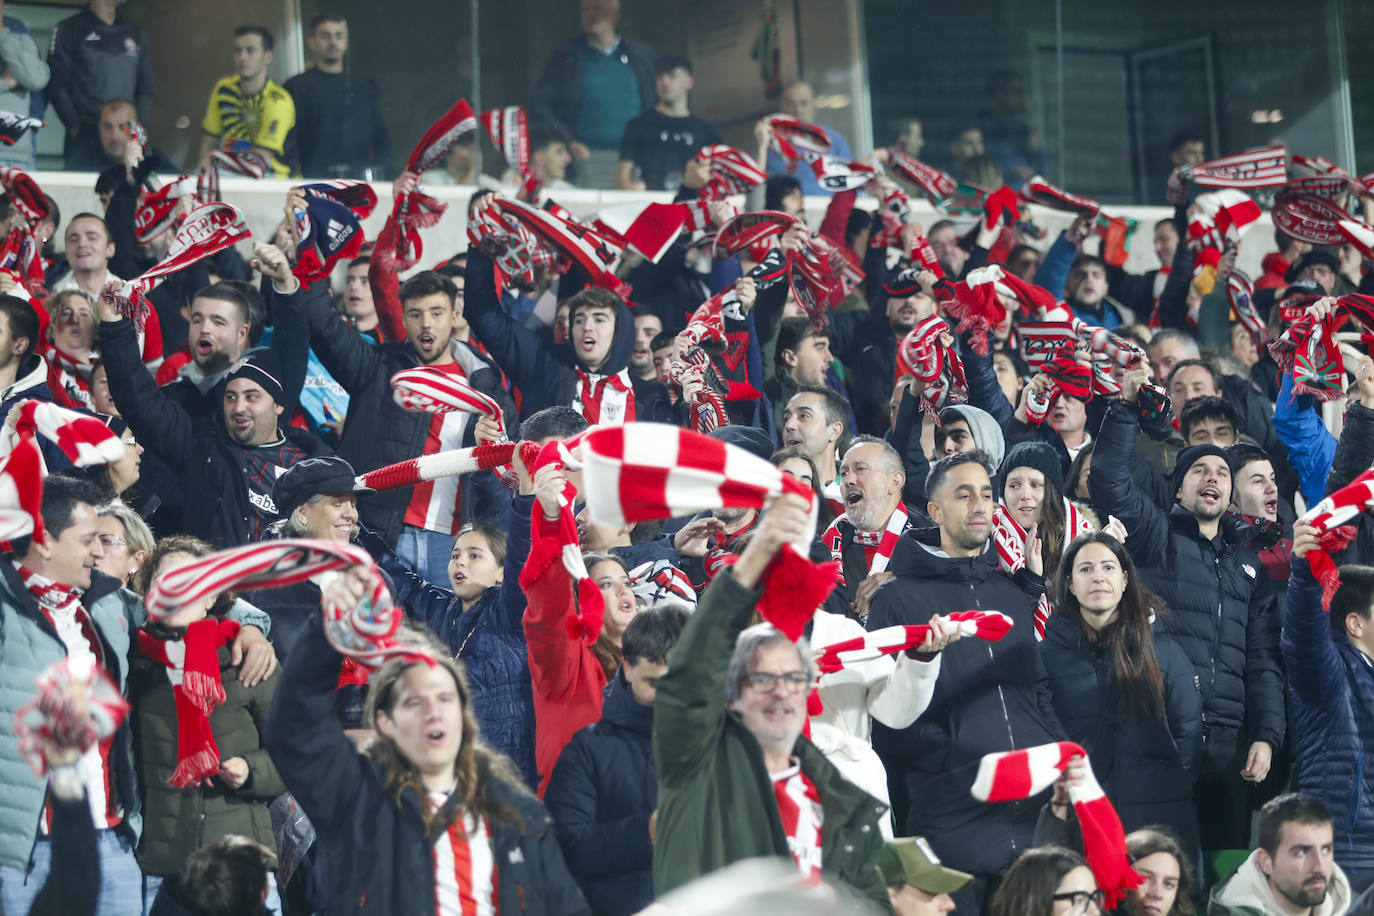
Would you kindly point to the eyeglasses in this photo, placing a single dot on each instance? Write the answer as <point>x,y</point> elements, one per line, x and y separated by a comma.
<point>111,540</point>
<point>766,682</point>
<point>1079,900</point>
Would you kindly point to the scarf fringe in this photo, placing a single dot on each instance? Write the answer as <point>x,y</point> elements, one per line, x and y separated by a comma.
<point>196,768</point>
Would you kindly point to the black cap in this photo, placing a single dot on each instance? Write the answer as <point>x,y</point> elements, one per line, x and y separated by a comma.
<point>1308,287</point>
<point>1191,456</point>
<point>314,477</point>
<point>749,438</point>
<point>1315,256</point>
<point>257,371</point>
<point>1033,453</point>
<point>903,283</point>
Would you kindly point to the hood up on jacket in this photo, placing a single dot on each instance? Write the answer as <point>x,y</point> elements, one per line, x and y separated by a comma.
<point>622,345</point>
<point>987,434</point>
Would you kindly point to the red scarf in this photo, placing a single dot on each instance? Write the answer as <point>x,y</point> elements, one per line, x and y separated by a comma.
<point>415,211</point>
<point>877,545</point>
<point>1309,350</point>
<point>51,596</point>
<point>193,668</point>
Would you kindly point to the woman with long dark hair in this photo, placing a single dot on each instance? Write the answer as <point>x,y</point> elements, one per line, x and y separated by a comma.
<point>1170,884</point>
<point>1127,694</point>
<point>1047,881</point>
<point>429,816</point>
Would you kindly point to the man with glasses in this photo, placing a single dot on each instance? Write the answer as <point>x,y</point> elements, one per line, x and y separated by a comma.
<point>736,778</point>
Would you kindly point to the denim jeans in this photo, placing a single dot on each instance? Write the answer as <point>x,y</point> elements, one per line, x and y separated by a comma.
<point>426,552</point>
<point>121,880</point>
<point>151,883</point>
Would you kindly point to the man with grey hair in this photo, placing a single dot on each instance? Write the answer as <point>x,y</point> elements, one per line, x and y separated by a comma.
<point>737,780</point>
<point>990,696</point>
<point>862,538</point>
<point>1169,346</point>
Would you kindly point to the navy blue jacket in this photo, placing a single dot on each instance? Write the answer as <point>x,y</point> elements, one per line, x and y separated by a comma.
<point>601,795</point>
<point>489,638</point>
<point>1222,605</point>
<point>1331,692</point>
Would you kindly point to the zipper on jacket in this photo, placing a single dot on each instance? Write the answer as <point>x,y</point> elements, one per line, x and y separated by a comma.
<point>1006,716</point>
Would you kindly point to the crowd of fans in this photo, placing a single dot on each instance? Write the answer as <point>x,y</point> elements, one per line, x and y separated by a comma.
<point>1000,535</point>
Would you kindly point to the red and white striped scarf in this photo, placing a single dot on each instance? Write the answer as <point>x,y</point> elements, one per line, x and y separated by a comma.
<point>415,211</point>
<point>365,633</point>
<point>654,580</point>
<point>85,440</point>
<point>21,255</point>
<point>989,625</point>
<point>1333,518</point>
<point>412,471</point>
<point>802,816</point>
<point>594,254</point>
<point>52,720</point>
<point>157,211</point>
<point>749,229</point>
<point>21,493</point>
<point>52,597</point>
<point>25,194</point>
<point>1010,539</point>
<point>1021,774</point>
<point>1257,168</point>
<point>836,174</point>
<point>424,389</point>
<point>248,163</point>
<point>650,471</point>
<point>732,172</point>
<point>208,230</point>
<point>1309,217</point>
<point>791,139</point>
<point>922,354</point>
<point>1308,348</point>
<point>1222,216</point>
<point>877,545</point>
<point>938,186</point>
<point>1039,191</point>
<point>510,133</point>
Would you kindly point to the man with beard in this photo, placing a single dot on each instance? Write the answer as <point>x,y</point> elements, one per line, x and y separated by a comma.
<point>1222,612</point>
<point>647,327</point>
<point>867,343</point>
<point>1292,871</point>
<point>814,420</point>
<point>863,537</point>
<point>990,696</point>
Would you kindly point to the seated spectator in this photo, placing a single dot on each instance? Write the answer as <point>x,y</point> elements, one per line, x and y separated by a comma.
<point>1329,687</point>
<point>1141,719</point>
<point>233,875</point>
<point>339,131</point>
<point>591,87</point>
<point>967,143</point>
<point>730,708</point>
<point>1047,881</point>
<point>659,143</point>
<point>604,790</point>
<point>1292,870</point>
<point>799,101</point>
<point>394,822</point>
<point>917,884</point>
<point>178,810</point>
<point>249,111</point>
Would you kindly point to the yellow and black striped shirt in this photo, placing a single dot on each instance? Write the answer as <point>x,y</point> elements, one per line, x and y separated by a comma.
<point>262,120</point>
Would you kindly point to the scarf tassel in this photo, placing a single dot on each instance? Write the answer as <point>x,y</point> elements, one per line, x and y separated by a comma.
<point>202,690</point>
<point>793,588</point>
<point>196,768</point>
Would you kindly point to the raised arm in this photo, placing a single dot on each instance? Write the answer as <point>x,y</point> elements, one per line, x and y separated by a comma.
<point>1110,484</point>
<point>1311,447</point>
<point>155,419</point>
<point>520,352</point>
<point>1314,667</point>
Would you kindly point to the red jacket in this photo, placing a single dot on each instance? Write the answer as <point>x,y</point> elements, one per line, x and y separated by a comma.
<point>565,674</point>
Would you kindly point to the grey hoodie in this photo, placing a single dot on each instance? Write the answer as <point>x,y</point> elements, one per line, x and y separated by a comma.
<point>1247,893</point>
<point>987,435</point>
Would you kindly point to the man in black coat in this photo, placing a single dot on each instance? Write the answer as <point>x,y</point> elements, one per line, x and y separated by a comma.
<point>589,372</point>
<point>990,696</point>
<point>420,521</point>
<point>1221,609</point>
<point>604,790</point>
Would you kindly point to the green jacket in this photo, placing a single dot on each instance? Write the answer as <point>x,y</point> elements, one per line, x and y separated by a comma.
<point>715,799</point>
<point>178,820</point>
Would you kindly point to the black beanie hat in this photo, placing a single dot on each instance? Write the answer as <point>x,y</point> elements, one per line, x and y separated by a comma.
<point>1190,456</point>
<point>1032,454</point>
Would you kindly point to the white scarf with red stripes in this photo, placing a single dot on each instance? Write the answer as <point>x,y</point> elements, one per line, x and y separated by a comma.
<point>1010,538</point>
<point>877,545</point>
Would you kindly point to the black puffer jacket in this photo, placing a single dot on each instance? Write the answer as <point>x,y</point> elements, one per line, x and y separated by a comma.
<point>1146,766</point>
<point>1223,613</point>
<point>601,796</point>
<point>991,696</point>
<point>546,374</point>
<point>378,854</point>
<point>380,432</point>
